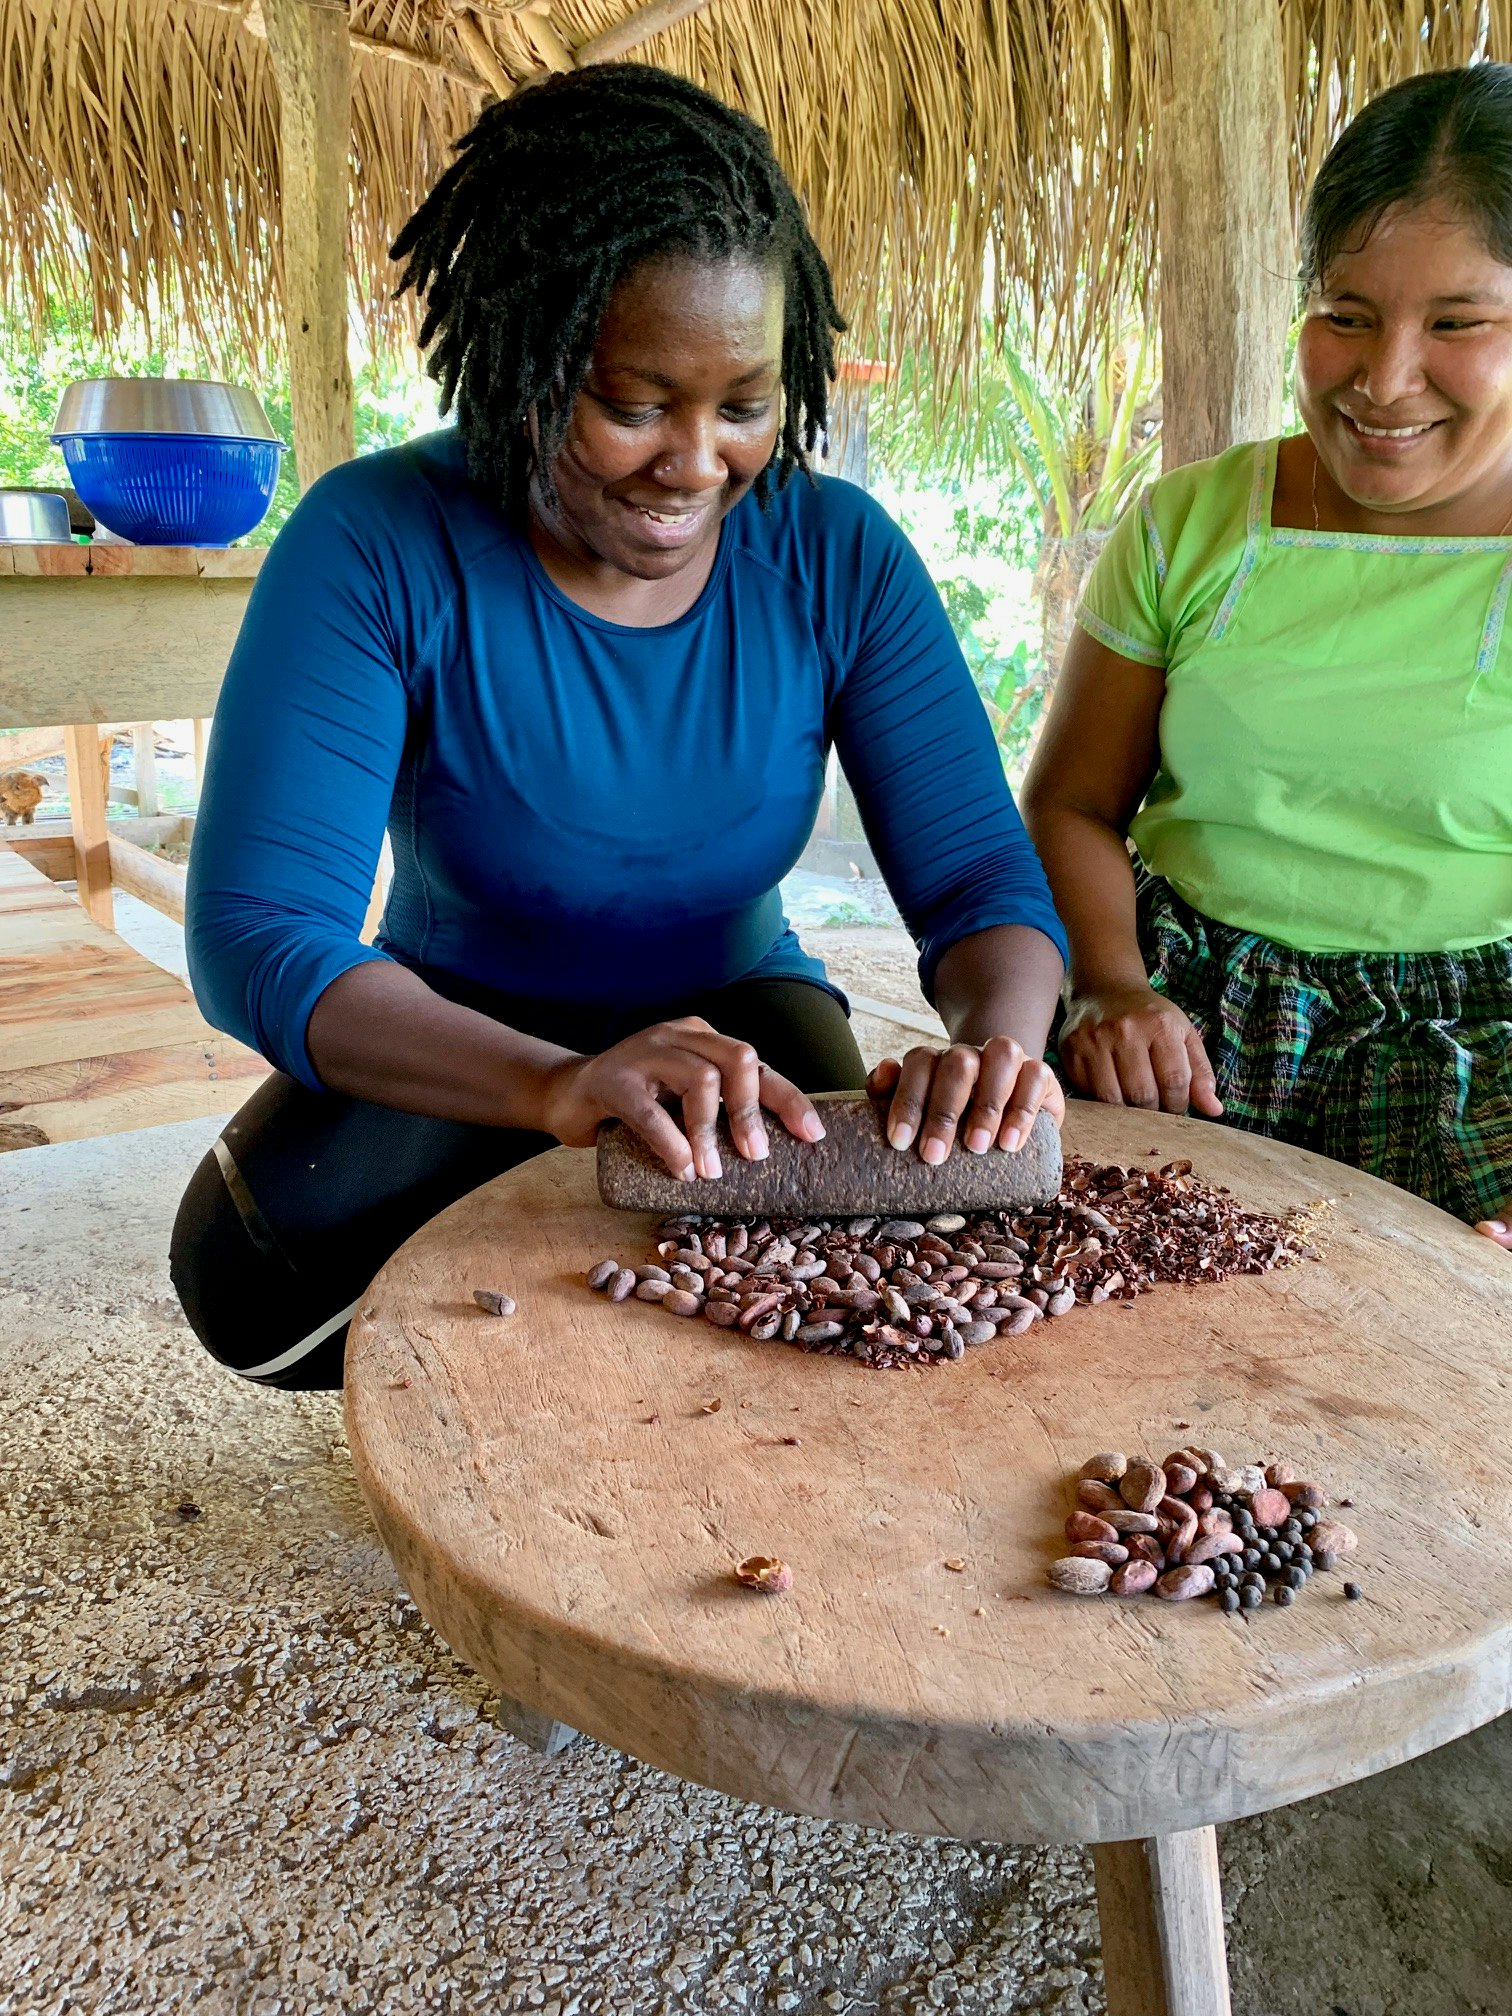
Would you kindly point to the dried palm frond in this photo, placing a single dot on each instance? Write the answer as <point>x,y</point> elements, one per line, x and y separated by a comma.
<point>956,156</point>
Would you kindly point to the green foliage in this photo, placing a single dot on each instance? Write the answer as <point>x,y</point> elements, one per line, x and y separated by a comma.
<point>1014,461</point>
<point>1076,455</point>
<point>978,538</point>
<point>393,403</point>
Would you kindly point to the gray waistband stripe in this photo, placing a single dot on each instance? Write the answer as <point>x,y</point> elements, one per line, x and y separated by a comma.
<point>297,1351</point>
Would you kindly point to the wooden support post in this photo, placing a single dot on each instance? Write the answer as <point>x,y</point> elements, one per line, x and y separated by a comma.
<point>530,1726</point>
<point>144,752</point>
<point>86,801</point>
<point>201,743</point>
<point>312,61</point>
<point>1160,1907</point>
<point>1227,258</point>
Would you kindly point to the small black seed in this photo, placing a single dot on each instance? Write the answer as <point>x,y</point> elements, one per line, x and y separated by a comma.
<point>1252,1581</point>
<point>1250,1598</point>
<point>1282,1595</point>
<point>1353,1591</point>
<point>1228,1600</point>
<point>187,1511</point>
<point>1294,1578</point>
<point>1307,1521</point>
<point>1271,1560</point>
<point>1251,1557</point>
<point>1326,1561</point>
<point>1292,1530</point>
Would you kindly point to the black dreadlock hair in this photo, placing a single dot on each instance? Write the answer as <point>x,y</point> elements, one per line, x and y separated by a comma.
<point>555,194</point>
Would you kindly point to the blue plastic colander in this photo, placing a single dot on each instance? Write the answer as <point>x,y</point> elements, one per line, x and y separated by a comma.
<point>173,489</point>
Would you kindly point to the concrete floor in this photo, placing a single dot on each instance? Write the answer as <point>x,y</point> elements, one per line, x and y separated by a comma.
<point>239,1774</point>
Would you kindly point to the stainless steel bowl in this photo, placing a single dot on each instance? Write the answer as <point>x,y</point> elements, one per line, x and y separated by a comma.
<point>34,518</point>
<point>162,406</point>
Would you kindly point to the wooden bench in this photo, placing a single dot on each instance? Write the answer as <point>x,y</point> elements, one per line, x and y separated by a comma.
<point>95,1039</point>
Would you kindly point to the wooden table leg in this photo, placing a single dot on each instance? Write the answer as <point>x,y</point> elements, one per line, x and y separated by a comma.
<point>532,1727</point>
<point>144,750</point>
<point>1160,1907</point>
<point>91,838</point>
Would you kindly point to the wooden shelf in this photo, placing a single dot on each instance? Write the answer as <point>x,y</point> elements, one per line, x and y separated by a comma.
<point>107,561</point>
<point>118,633</point>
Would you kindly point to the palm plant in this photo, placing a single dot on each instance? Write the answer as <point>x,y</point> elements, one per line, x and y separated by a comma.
<point>1076,457</point>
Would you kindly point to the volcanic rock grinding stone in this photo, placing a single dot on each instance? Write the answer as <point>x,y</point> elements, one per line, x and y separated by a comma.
<point>852,1172</point>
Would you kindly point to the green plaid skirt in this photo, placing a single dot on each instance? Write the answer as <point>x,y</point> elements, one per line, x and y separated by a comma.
<point>1397,1064</point>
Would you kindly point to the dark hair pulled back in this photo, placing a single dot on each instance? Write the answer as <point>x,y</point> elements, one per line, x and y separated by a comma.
<point>554,195</point>
<point>1446,134</point>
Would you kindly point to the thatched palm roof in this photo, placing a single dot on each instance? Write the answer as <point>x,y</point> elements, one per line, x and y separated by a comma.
<point>954,153</point>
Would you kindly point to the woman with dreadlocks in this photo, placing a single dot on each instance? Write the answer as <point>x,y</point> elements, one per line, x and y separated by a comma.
<point>584,656</point>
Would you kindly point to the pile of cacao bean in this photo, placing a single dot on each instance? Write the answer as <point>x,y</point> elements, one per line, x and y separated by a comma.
<point>1192,1526</point>
<point>899,1291</point>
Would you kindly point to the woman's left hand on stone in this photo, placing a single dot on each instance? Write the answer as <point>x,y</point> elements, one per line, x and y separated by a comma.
<point>981,1096</point>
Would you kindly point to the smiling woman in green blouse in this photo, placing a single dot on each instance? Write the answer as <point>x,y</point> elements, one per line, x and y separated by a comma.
<point>1291,688</point>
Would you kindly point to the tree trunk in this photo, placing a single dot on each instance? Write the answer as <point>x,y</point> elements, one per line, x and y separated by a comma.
<point>1059,577</point>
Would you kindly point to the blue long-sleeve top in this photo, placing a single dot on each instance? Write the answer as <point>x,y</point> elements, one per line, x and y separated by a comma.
<point>580,810</point>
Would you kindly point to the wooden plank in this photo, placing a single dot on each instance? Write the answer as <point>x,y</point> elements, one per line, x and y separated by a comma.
<point>1226,251</point>
<point>84,1097</point>
<point>906,1018</point>
<point>86,798</point>
<point>59,1038</point>
<point>148,877</point>
<point>94,1038</point>
<point>48,845</point>
<point>111,562</point>
<point>312,61</point>
<point>98,650</point>
<point>144,762</point>
<point>566,1511</point>
<point>1160,1909</point>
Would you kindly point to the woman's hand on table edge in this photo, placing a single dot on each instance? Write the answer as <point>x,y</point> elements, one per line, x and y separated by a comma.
<point>1499,1228</point>
<point>687,1060</point>
<point>1129,1046</point>
<point>982,1095</point>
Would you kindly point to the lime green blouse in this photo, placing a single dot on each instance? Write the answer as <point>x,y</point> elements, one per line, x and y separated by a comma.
<point>1336,734</point>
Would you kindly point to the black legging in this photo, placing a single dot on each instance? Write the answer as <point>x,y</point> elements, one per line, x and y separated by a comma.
<point>306,1194</point>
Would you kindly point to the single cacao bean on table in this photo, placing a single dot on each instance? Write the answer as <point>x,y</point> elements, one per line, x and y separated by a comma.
<point>1080,1577</point>
<point>1133,1578</point>
<point>1142,1486</point>
<point>1088,1526</point>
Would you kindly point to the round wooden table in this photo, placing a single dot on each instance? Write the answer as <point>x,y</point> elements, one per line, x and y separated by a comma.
<point>566,1491</point>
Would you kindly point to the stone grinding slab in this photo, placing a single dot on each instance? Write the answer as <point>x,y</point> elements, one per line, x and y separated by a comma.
<point>852,1172</point>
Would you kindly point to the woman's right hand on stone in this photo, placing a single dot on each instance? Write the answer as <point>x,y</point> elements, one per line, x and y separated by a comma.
<point>687,1061</point>
<point>1129,1046</point>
